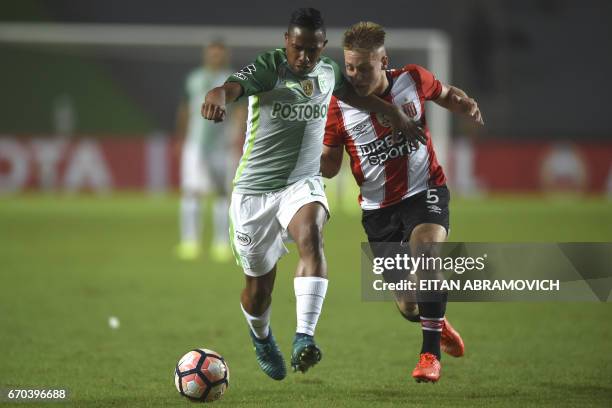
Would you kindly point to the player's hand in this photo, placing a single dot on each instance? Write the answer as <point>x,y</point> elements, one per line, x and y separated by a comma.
<point>403,125</point>
<point>468,107</point>
<point>213,107</point>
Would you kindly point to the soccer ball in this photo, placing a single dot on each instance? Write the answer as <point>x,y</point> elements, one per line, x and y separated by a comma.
<point>201,375</point>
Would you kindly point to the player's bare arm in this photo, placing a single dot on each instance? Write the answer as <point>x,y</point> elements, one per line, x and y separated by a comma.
<point>331,161</point>
<point>457,101</point>
<point>400,122</point>
<point>213,107</point>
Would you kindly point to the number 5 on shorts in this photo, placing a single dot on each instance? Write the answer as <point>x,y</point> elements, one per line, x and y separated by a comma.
<point>432,196</point>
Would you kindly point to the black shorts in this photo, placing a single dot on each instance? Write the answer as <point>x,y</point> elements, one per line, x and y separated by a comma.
<point>396,222</point>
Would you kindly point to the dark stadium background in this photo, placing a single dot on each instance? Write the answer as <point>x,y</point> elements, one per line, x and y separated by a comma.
<point>539,67</point>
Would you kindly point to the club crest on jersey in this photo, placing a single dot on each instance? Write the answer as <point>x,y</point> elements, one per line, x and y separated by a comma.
<point>307,86</point>
<point>410,109</point>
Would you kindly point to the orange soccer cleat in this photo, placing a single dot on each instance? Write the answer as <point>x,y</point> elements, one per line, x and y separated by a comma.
<point>427,369</point>
<point>450,341</point>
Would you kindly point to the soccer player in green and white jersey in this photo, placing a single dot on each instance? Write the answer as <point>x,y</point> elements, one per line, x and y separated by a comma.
<point>205,168</point>
<point>278,192</point>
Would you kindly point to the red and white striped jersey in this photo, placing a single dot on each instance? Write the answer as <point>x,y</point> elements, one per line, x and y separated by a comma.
<point>388,171</point>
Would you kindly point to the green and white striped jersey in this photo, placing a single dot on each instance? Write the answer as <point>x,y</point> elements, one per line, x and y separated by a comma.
<point>286,121</point>
<point>210,136</point>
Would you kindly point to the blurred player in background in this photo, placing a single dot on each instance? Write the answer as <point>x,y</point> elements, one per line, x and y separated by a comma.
<point>278,192</point>
<point>404,197</point>
<point>208,158</point>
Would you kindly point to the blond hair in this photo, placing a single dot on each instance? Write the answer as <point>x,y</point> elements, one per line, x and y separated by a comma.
<point>364,35</point>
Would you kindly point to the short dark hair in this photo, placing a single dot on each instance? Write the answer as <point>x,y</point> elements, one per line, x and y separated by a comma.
<point>307,18</point>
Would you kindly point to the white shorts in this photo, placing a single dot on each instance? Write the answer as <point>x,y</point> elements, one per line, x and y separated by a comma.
<point>205,172</point>
<point>258,229</point>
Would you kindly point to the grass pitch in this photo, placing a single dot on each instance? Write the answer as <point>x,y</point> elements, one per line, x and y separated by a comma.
<point>69,263</point>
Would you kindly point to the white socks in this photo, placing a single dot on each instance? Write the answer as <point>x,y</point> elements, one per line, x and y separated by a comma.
<point>190,218</point>
<point>309,295</point>
<point>260,326</point>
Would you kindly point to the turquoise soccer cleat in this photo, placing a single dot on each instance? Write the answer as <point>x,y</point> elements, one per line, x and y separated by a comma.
<point>305,353</point>
<point>269,356</point>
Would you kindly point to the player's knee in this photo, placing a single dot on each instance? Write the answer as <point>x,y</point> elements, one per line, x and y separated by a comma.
<point>425,243</point>
<point>310,240</point>
<point>424,248</point>
<point>409,310</point>
<point>425,237</point>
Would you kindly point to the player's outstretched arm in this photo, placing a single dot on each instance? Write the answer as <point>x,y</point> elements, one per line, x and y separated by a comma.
<point>331,161</point>
<point>400,122</point>
<point>457,101</point>
<point>213,107</point>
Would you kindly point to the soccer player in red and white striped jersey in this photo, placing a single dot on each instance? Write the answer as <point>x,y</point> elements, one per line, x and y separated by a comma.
<point>403,191</point>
